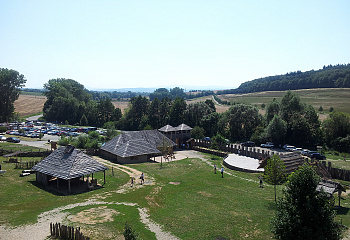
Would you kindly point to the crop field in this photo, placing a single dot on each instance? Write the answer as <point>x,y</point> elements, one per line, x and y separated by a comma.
<point>184,198</point>
<point>27,105</point>
<point>120,104</point>
<point>338,98</point>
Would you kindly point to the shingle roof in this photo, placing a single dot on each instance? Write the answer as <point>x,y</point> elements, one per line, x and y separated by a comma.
<point>149,139</point>
<point>183,127</point>
<point>329,186</point>
<point>135,147</point>
<point>167,128</point>
<point>68,163</point>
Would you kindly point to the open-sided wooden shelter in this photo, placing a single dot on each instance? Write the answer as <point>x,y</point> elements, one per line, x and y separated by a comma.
<point>66,164</point>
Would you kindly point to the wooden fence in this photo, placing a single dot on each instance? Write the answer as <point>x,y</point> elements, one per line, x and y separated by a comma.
<point>25,165</point>
<point>65,232</point>
<point>337,173</point>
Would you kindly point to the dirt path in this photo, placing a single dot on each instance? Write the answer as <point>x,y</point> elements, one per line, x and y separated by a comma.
<point>41,230</point>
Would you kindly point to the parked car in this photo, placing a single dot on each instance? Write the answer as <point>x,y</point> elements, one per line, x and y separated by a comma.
<point>267,145</point>
<point>2,138</point>
<point>13,139</point>
<point>310,153</point>
<point>318,156</point>
<point>290,148</point>
<point>305,152</point>
<point>248,144</point>
<point>207,139</point>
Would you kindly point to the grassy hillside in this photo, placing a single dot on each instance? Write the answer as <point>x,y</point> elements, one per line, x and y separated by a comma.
<point>338,98</point>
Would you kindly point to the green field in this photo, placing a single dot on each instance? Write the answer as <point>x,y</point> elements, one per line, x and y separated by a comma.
<point>338,98</point>
<point>186,198</point>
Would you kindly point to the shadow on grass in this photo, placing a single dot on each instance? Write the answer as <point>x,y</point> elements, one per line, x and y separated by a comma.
<point>272,206</point>
<point>75,190</point>
<point>341,210</point>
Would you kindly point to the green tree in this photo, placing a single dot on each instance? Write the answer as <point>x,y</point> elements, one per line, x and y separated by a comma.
<point>272,109</point>
<point>83,120</point>
<point>210,123</point>
<point>197,132</point>
<point>320,109</point>
<point>66,100</point>
<point>303,212</point>
<point>276,130</point>
<point>274,171</point>
<point>331,109</point>
<point>129,233</point>
<point>176,116</point>
<point>154,114</point>
<point>217,141</point>
<point>337,129</point>
<point>11,83</point>
<point>239,122</point>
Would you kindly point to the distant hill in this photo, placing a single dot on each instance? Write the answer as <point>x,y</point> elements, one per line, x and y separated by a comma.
<point>337,76</point>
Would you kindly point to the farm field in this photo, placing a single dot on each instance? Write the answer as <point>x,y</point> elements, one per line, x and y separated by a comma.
<point>27,105</point>
<point>338,98</point>
<point>184,197</point>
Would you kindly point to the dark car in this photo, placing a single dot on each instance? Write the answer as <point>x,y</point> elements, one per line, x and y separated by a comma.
<point>248,144</point>
<point>13,139</point>
<point>318,156</point>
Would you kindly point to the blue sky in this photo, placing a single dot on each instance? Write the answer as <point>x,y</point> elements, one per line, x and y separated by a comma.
<point>131,44</point>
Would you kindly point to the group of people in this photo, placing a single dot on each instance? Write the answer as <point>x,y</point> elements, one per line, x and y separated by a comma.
<point>222,170</point>
<point>142,178</point>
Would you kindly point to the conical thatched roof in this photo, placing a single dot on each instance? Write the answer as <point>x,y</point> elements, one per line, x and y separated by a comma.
<point>68,163</point>
<point>167,128</point>
<point>183,127</point>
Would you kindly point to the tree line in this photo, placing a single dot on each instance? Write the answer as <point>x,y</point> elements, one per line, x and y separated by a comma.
<point>337,76</point>
<point>287,121</point>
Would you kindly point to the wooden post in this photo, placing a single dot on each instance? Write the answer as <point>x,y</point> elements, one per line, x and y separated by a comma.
<point>104,177</point>
<point>112,171</point>
<point>69,189</point>
<point>92,176</point>
<point>58,186</point>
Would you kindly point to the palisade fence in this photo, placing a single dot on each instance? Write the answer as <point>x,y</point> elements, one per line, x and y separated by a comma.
<point>337,173</point>
<point>65,232</point>
<point>234,148</point>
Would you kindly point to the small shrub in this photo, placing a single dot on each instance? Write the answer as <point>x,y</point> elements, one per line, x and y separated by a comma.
<point>129,233</point>
<point>3,129</point>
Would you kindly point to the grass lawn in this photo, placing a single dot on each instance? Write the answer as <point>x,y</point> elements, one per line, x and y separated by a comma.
<point>186,199</point>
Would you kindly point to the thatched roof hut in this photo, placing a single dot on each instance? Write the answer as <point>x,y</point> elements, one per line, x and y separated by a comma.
<point>66,163</point>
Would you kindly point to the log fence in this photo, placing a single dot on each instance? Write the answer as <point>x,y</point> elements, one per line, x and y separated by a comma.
<point>61,231</point>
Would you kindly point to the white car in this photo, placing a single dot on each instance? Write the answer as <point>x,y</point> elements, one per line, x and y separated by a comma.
<point>2,138</point>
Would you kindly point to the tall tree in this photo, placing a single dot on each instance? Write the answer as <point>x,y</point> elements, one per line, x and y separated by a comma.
<point>276,130</point>
<point>66,98</point>
<point>10,84</point>
<point>274,171</point>
<point>176,116</point>
<point>304,213</point>
<point>337,131</point>
<point>239,122</point>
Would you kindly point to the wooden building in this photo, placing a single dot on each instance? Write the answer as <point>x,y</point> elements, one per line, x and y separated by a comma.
<point>136,146</point>
<point>179,134</point>
<point>66,165</point>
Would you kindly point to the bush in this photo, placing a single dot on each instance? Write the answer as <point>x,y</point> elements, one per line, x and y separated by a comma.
<point>129,233</point>
<point>3,129</point>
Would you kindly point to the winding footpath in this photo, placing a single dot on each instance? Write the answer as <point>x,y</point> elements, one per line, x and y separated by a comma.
<point>41,230</point>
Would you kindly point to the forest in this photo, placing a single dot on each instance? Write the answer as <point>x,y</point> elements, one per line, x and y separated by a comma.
<point>337,76</point>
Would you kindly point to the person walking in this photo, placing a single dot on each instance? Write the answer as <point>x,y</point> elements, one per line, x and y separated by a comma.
<point>215,168</point>
<point>261,181</point>
<point>222,172</point>
<point>142,178</point>
<point>132,181</point>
